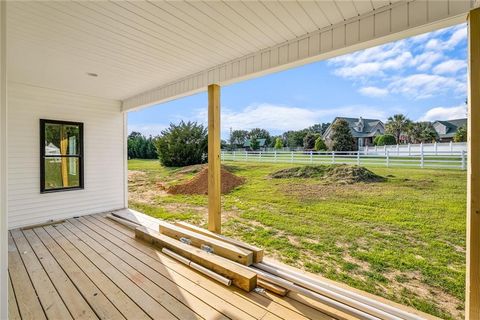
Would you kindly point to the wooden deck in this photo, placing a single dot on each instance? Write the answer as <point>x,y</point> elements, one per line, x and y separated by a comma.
<point>92,267</point>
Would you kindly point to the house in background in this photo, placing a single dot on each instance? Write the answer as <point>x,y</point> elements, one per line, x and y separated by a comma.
<point>363,131</point>
<point>261,144</point>
<point>446,129</point>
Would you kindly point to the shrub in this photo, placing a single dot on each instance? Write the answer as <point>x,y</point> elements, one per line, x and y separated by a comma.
<point>320,144</point>
<point>460,135</point>
<point>182,145</point>
<point>384,140</point>
<point>278,143</point>
<point>309,140</point>
<point>254,143</point>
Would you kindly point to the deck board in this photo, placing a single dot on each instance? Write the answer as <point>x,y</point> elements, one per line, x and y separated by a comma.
<point>92,267</point>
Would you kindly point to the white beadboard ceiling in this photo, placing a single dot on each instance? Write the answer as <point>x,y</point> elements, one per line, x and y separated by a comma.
<point>146,52</point>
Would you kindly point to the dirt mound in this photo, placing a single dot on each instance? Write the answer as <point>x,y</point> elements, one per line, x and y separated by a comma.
<point>199,183</point>
<point>341,174</point>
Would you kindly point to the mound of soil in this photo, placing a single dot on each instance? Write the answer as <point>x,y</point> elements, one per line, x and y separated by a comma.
<point>199,183</point>
<point>341,174</point>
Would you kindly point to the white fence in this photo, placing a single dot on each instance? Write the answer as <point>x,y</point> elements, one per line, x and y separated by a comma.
<point>396,158</point>
<point>452,148</point>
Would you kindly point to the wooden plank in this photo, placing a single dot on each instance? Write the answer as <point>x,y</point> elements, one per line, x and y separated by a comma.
<point>74,301</point>
<point>51,301</point>
<point>48,223</point>
<point>284,306</point>
<point>214,183</point>
<point>154,309</point>
<point>13,312</point>
<point>95,297</point>
<point>124,304</point>
<point>241,277</point>
<point>28,303</point>
<point>216,295</point>
<point>257,252</point>
<point>251,302</point>
<point>220,248</point>
<point>272,287</point>
<point>161,291</point>
<point>472,304</point>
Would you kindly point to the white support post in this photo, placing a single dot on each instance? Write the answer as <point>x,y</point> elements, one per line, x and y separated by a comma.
<point>333,156</point>
<point>388,158</point>
<point>398,149</point>
<point>376,149</point>
<point>3,165</point>
<point>260,155</point>
<point>385,149</point>
<point>464,162</point>
<point>472,295</point>
<point>358,158</point>
<point>311,156</point>
<point>246,155</point>
<point>366,149</point>
<point>409,149</point>
<point>233,155</point>
<point>275,155</point>
<point>451,146</point>
<point>291,157</point>
<point>435,146</point>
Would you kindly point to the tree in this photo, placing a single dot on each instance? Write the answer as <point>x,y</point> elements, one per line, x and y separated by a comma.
<point>460,135</point>
<point>260,134</point>
<point>254,143</point>
<point>320,144</point>
<point>309,140</point>
<point>422,132</point>
<point>384,140</point>
<point>278,143</point>
<point>319,127</point>
<point>342,139</point>
<point>237,138</point>
<point>396,125</point>
<point>140,147</point>
<point>294,139</point>
<point>183,144</point>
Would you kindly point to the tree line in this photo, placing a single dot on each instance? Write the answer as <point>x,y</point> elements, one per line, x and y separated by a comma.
<point>186,143</point>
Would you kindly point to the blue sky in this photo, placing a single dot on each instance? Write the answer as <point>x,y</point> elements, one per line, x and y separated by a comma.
<point>423,77</point>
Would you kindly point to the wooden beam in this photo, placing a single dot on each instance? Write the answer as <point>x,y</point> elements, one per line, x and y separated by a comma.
<point>214,183</point>
<point>241,276</point>
<point>219,247</point>
<point>472,303</point>
<point>257,252</point>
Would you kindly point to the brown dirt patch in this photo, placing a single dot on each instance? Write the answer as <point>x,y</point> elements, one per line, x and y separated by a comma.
<point>199,183</point>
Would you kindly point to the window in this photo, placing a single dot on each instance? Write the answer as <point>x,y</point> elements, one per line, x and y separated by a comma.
<point>61,156</point>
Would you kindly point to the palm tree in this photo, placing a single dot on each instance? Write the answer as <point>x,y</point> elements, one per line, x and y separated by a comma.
<point>422,132</point>
<point>397,125</point>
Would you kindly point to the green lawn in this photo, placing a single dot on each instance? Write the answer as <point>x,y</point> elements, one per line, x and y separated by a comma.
<point>403,239</point>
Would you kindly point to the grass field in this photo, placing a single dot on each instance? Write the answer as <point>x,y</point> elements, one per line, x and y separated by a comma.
<point>403,239</point>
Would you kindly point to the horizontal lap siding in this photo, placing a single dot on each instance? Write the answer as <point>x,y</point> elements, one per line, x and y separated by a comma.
<point>104,145</point>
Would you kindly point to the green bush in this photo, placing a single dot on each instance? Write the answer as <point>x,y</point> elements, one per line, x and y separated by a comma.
<point>460,135</point>
<point>320,145</point>
<point>278,143</point>
<point>182,145</point>
<point>309,140</point>
<point>384,140</point>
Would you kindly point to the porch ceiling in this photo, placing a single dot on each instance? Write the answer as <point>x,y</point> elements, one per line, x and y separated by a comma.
<point>146,52</point>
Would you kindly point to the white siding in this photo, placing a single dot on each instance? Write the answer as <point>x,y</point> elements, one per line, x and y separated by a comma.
<point>104,154</point>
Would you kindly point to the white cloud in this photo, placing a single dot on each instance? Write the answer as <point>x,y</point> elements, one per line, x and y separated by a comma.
<point>425,60</point>
<point>420,86</point>
<point>373,92</point>
<point>445,113</point>
<point>457,36</point>
<point>450,66</point>
<point>147,129</point>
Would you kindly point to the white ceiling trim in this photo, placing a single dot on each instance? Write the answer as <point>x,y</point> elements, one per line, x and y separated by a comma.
<point>387,23</point>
